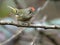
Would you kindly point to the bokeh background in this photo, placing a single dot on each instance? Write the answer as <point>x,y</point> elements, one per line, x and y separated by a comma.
<point>52,10</point>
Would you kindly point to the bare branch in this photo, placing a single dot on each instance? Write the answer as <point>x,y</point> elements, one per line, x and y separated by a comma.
<point>32,25</point>
<point>34,39</point>
<point>43,7</point>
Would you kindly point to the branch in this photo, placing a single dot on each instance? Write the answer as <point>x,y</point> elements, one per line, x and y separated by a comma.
<point>34,39</point>
<point>32,25</point>
<point>43,7</point>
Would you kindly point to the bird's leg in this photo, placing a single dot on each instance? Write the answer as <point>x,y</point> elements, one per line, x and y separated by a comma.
<point>29,22</point>
<point>23,23</point>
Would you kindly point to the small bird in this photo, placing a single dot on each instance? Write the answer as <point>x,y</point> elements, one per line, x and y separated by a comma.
<point>23,15</point>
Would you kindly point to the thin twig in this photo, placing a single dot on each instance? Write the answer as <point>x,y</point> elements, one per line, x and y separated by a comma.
<point>39,9</point>
<point>43,7</point>
<point>34,39</point>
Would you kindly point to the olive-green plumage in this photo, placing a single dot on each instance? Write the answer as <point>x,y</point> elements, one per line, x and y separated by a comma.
<point>23,14</point>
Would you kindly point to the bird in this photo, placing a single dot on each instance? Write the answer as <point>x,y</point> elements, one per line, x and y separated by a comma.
<point>23,15</point>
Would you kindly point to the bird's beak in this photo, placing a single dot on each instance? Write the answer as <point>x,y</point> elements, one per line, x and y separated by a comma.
<point>13,9</point>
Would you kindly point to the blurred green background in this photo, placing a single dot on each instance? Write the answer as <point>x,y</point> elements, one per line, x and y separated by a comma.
<point>4,10</point>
